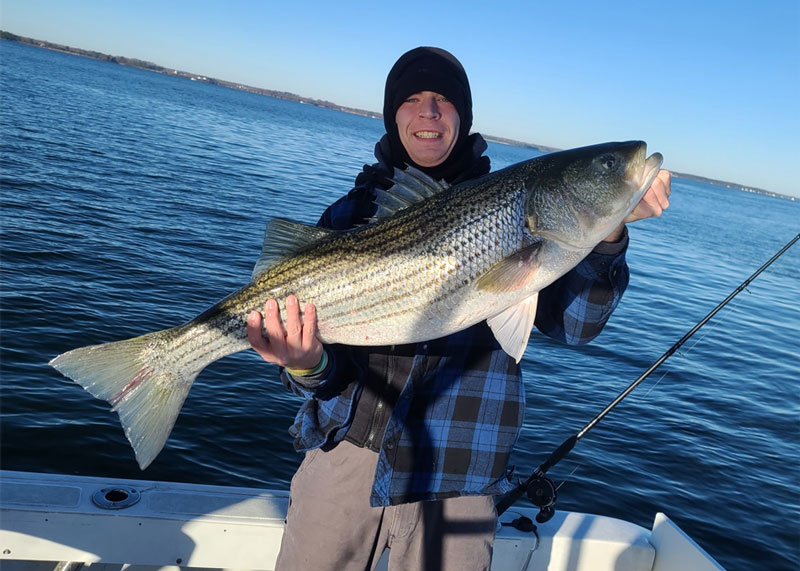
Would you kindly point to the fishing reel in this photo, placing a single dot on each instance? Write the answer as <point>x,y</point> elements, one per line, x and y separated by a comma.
<point>542,493</point>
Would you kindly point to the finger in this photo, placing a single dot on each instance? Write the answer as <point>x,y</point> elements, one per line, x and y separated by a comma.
<point>665,177</point>
<point>294,324</point>
<point>254,330</point>
<point>295,353</point>
<point>274,329</point>
<point>255,337</point>
<point>652,204</point>
<point>646,208</point>
<point>310,327</point>
<point>663,201</point>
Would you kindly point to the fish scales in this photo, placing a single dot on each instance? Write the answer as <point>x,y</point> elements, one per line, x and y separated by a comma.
<point>456,250</point>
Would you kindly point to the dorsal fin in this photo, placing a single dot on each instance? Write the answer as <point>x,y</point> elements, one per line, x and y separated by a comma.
<point>410,186</point>
<point>285,237</point>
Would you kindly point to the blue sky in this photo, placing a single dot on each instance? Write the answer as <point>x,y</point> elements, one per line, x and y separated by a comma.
<point>712,85</point>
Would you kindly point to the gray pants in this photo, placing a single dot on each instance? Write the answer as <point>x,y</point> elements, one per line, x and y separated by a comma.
<point>330,524</point>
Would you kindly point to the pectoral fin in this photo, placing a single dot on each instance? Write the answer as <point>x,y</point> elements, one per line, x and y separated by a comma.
<point>513,273</point>
<point>512,327</point>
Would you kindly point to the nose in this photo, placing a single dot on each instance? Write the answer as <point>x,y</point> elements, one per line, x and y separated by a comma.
<point>429,108</point>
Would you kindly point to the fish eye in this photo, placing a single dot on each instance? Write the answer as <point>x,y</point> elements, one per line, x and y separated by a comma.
<point>609,162</point>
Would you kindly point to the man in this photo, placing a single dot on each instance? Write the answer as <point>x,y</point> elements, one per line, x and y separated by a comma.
<point>407,445</point>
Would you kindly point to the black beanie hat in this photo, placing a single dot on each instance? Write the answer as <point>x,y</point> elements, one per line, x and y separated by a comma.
<point>426,69</point>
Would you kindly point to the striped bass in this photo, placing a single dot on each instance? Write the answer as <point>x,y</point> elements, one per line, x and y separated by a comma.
<point>435,260</point>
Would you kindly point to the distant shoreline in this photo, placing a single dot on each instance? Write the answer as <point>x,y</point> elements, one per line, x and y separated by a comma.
<point>146,65</point>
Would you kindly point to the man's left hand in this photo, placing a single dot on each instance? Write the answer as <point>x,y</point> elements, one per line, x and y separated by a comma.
<point>653,203</point>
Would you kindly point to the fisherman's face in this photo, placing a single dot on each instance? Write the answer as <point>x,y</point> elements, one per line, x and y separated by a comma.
<point>428,126</point>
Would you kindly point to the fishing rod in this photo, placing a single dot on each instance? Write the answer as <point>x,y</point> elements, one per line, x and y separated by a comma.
<point>541,490</point>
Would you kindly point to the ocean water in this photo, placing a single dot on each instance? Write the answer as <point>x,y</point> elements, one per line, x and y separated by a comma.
<point>131,201</point>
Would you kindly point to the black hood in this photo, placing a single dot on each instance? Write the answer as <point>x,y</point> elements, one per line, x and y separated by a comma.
<point>429,69</point>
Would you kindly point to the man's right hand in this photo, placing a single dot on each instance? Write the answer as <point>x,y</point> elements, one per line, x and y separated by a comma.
<point>294,346</point>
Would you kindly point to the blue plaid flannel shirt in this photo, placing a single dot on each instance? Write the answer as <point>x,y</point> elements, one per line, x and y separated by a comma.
<point>461,406</point>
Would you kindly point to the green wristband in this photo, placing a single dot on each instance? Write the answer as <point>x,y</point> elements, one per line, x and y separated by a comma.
<point>323,362</point>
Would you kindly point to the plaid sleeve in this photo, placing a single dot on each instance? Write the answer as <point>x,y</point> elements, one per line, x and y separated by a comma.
<point>329,399</point>
<point>575,308</point>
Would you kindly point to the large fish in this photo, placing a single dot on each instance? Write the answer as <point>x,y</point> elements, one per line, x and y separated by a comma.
<point>435,260</point>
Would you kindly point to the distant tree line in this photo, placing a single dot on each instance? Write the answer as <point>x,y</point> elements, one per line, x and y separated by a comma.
<point>133,62</point>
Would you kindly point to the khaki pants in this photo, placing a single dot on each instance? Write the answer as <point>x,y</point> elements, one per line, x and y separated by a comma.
<point>330,524</point>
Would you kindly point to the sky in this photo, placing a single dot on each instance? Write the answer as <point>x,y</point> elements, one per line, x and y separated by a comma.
<point>712,85</point>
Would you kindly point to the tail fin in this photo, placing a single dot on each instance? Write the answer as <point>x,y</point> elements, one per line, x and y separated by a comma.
<point>146,389</point>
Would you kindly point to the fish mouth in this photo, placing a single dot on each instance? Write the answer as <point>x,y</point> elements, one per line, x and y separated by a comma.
<point>642,172</point>
<point>651,167</point>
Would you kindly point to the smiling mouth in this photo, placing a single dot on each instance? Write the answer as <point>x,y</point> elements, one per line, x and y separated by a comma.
<point>427,135</point>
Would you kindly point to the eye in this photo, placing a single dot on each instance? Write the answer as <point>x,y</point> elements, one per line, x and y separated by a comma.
<point>609,162</point>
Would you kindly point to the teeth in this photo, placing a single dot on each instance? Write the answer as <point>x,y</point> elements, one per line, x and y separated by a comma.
<point>427,134</point>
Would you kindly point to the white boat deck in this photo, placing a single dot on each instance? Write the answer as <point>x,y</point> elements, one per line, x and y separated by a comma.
<point>51,518</point>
